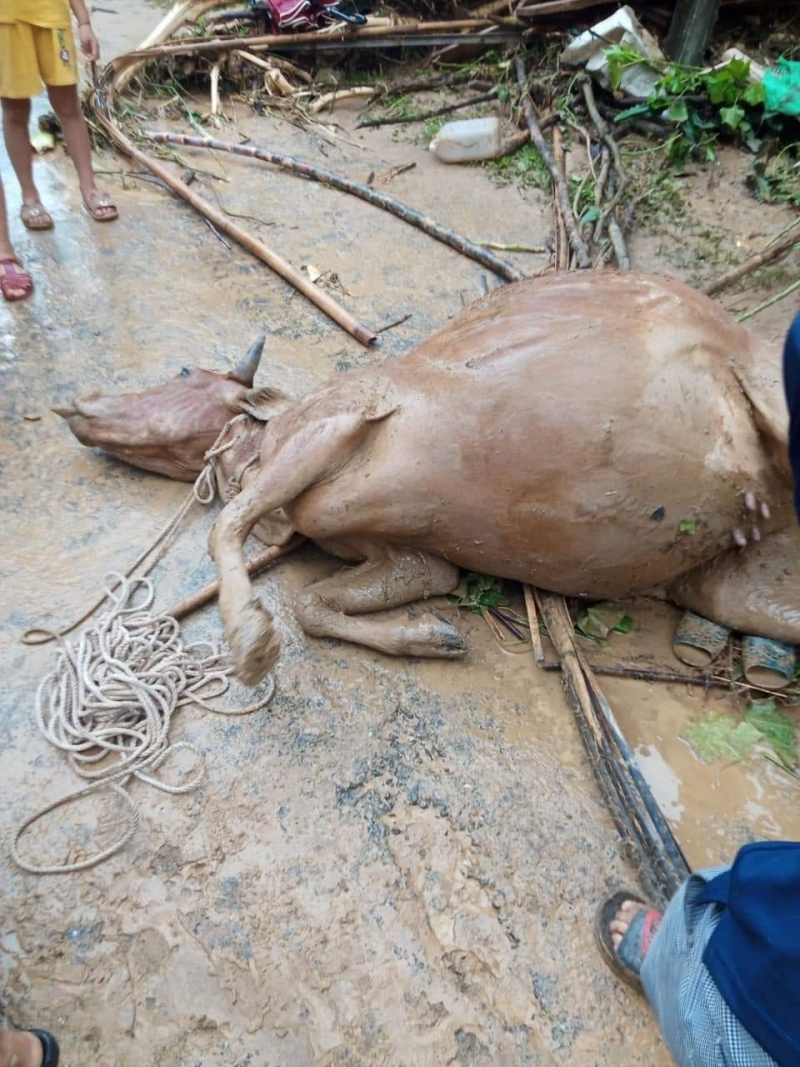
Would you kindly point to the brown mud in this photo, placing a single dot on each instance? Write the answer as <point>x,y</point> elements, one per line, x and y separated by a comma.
<point>397,862</point>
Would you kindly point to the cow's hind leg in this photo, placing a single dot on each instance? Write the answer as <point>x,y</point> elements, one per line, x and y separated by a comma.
<point>341,606</point>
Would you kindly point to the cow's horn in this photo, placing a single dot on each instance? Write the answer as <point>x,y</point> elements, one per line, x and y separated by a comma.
<point>245,370</point>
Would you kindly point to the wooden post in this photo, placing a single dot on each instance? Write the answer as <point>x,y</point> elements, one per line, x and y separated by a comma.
<point>690,31</point>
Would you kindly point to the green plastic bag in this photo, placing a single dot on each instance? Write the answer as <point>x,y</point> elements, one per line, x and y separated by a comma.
<point>782,88</point>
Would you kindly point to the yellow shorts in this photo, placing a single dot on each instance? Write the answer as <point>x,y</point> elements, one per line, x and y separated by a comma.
<point>30,55</point>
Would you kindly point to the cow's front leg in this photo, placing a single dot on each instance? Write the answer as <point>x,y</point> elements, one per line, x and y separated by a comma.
<point>249,628</point>
<point>292,459</point>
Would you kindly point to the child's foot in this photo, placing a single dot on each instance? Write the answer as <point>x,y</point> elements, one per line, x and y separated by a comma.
<point>35,216</point>
<point>15,283</point>
<point>100,206</point>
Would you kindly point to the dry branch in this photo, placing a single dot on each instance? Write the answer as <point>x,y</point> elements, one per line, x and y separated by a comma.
<point>322,300</point>
<point>760,259</point>
<point>346,185</point>
<point>575,239</point>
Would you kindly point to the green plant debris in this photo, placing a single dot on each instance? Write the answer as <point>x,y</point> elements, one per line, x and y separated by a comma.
<point>763,729</point>
<point>719,736</point>
<point>776,729</point>
<point>776,180</point>
<point>525,167</point>
<point>688,526</point>
<point>479,593</point>
<point>703,105</point>
<point>600,620</point>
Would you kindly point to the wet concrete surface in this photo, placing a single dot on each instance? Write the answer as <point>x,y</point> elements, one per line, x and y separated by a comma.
<point>395,863</point>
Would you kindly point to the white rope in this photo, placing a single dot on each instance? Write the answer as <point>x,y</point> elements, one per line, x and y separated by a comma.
<point>115,688</point>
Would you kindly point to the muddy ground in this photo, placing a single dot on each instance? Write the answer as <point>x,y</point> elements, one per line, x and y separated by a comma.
<point>397,862</point>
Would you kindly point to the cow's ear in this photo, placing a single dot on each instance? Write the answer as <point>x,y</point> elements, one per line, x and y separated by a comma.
<point>264,404</point>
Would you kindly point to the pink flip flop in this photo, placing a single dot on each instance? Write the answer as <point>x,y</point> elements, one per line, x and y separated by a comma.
<point>15,282</point>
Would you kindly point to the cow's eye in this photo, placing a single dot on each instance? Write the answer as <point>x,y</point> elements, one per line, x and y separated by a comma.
<point>185,372</point>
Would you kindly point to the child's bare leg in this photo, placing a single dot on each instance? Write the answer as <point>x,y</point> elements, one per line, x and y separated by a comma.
<point>6,248</point>
<point>67,106</point>
<point>16,117</point>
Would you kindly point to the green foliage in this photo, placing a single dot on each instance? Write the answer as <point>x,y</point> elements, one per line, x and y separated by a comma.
<point>688,526</point>
<point>478,592</point>
<point>777,180</point>
<point>703,104</point>
<point>525,167</point>
<point>599,620</point>
<point>776,729</point>
<point>763,728</point>
<point>720,736</point>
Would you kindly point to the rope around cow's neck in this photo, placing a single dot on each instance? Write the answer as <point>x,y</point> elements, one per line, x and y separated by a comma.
<point>114,690</point>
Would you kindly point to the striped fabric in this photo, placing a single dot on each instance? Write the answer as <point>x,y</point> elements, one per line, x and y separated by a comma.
<point>698,1026</point>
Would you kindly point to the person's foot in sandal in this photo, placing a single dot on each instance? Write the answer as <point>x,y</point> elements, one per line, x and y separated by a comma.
<point>35,216</point>
<point>15,282</point>
<point>100,206</point>
<point>625,927</point>
<point>28,1048</point>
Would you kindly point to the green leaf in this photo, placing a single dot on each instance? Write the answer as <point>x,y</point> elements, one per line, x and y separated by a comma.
<point>678,111</point>
<point>633,112</point>
<point>754,94</point>
<point>732,116</point>
<point>687,526</point>
<point>591,214</point>
<point>721,737</point>
<point>776,729</point>
<point>599,620</point>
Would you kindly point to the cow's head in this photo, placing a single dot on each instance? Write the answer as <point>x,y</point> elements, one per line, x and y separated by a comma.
<point>167,429</point>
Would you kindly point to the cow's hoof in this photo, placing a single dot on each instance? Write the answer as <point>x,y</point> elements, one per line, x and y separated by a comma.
<point>437,638</point>
<point>255,646</point>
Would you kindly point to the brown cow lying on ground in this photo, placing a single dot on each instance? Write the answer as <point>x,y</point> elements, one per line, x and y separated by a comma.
<point>591,434</point>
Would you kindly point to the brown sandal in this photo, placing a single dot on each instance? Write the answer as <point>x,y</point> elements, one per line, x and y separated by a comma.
<point>36,217</point>
<point>101,207</point>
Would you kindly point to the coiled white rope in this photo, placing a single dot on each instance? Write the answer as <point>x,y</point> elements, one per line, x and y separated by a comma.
<point>114,690</point>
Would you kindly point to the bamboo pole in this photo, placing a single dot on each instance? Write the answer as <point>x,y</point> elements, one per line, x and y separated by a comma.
<point>320,299</point>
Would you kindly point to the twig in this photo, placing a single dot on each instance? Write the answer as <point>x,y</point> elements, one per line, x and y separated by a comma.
<point>276,62</point>
<point>215,108</point>
<point>328,99</point>
<point>605,133</point>
<point>497,246</point>
<point>618,241</point>
<point>576,241</point>
<point>772,252</point>
<point>772,300</point>
<point>322,300</point>
<point>346,185</point>
<point>562,245</point>
<point>422,116</point>
<point>217,234</point>
<point>391,325</point>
